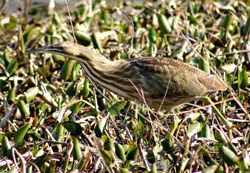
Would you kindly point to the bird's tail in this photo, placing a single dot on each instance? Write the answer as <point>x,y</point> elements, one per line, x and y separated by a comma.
<point>213,83</point>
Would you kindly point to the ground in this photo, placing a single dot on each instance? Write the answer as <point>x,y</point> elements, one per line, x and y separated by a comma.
<point>54,119</point>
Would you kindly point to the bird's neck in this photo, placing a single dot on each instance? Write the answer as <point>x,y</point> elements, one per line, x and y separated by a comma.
<point>86,54</point>
<point>95,60</point>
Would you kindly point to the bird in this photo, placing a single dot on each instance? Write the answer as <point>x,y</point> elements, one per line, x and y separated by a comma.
<point>159,83</point>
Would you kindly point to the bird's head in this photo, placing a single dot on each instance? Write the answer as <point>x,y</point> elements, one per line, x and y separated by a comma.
<point>73,51</point>
<point>67,49</point>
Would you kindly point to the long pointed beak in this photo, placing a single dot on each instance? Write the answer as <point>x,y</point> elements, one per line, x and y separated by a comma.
<point>49,49</point>
<point>71,50</point>
<point>65,49</point>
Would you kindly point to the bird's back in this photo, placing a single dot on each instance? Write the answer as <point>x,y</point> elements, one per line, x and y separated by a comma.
<point>169,82</point>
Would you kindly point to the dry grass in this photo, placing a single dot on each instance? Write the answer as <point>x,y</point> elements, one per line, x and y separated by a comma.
<point>54,119</point>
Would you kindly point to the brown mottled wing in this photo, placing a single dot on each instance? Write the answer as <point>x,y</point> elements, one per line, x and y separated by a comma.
<point>173,78</point>
<point>162,77</point>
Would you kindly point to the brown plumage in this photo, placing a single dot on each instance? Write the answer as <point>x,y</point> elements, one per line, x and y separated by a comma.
<point>160,83</point>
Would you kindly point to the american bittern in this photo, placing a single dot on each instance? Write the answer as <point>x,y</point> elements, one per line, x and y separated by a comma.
<point>159,82</point>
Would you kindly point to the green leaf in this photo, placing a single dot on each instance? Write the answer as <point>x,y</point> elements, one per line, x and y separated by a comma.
<point>77,154</point>
<point>204,63</point>
<point>108,143</point>
<point>194,128</point>
<point>81,164</point>
<point>152,49</point>
<point>3,83</point>
<point>132,152</point>
<point>96,42</point>
<point>71,89</point>
<point>184,164</point>
<point>83,38</point>
<point>167,144</point>
<point>124,170</point>
<point>75,73</point>
<point>76,107</point>
<point>139,130</point>
<point>245,81</point>
<point>226,22</point>
<point>152,35</point>
<point>85,90</point>
<point>119,151</point>
<point>206,157</point>
<point>11,95</point>
<point>117,107</point>
<point>164,24</point>
<point>100,126</point>
<point>242,78</point>
<point>206,132</point>
<point>74,128</point>
<point>21,132</point>
<point>106,156</point>
<point>193,20</point>
<point>58,132</point>
<point>12,67</point>
<point>220,136</point>
<point>228,155</point>
<point>37,151</point>
<point>66,71</point>
<point>6,147</point>
<point>105,16</point>
<point>23,108</point>
<point>211,169</point>
<point>31,93</point>
<point>246,28</point>
<point>32,34</point>
<point>26,32</point>
<point>151,157</point>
